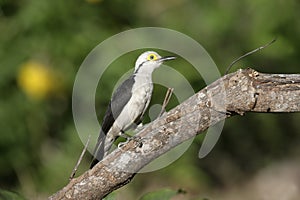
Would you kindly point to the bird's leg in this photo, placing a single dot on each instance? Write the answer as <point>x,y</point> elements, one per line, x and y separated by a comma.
<point>138,128</point>
<point>124,135</point>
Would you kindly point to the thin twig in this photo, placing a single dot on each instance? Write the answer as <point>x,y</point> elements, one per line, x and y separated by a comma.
<point>247,54</point>
<point>166,101</point>
<point>80,159</point>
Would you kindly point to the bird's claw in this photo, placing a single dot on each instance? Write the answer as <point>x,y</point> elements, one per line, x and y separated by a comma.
<point>137,139</point>
<point>121,144</point>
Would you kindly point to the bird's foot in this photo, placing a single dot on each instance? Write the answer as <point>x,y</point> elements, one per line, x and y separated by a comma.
<point>137,139</point>
<point>121,144</point>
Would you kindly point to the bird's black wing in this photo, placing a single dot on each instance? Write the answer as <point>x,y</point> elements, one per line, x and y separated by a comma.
<point>118,101</point>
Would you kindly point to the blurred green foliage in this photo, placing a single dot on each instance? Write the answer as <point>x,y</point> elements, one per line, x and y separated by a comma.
<point>38,141</point>
<point>6,195</point>
<point>163,194</point>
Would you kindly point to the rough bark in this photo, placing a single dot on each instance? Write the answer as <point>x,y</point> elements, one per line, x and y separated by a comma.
<point>236,93</point>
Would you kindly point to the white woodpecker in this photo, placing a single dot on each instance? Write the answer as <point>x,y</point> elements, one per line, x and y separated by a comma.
<point>128,103</point>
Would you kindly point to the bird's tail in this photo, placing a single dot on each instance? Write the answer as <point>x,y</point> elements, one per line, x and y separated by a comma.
<point>102,148</point>
<point>99,150</point>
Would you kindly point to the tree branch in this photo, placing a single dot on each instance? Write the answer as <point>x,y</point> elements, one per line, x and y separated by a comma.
<point>236,93</point>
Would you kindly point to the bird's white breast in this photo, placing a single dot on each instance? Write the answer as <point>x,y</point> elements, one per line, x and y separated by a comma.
<point>138,103</point>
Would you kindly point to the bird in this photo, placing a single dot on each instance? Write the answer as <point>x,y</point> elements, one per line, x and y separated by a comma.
<point>128,103</point>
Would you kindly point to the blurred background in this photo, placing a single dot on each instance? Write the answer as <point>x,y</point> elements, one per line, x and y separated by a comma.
<point>43,43</point>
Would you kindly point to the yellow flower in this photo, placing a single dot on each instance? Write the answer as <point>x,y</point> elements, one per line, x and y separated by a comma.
<point>36,80</point>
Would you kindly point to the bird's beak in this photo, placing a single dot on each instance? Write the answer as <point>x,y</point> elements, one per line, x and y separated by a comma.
<point>166,58</point>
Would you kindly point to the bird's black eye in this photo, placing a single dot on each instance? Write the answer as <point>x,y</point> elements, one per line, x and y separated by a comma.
<point>152,56</point>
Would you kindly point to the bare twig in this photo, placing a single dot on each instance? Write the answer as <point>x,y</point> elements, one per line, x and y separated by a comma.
<point>166,101</point>
<point>80,159</point>
<point>247,54</point>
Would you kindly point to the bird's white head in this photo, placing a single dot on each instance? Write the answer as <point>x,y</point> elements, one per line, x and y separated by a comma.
<point>148,61</point>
